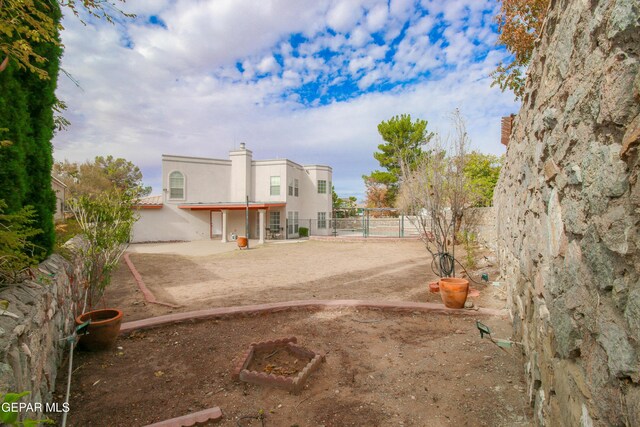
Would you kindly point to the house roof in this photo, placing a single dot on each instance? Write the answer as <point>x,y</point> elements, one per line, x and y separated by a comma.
<point>150,202</point>
<point>214,206</point>
<point>58,181</point>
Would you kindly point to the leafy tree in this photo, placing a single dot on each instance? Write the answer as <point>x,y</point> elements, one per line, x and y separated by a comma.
<point>335,199</point>
<point>404,139</point>
<point>101,175</point>
<point>482,171</point>
<point>25,24</point>
<point>519,25</point>
<point>106,220</point>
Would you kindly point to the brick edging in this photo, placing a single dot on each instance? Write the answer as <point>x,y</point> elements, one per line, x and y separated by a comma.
<point>250,310</point>
<point>148,295</point>
<point>200,417</point>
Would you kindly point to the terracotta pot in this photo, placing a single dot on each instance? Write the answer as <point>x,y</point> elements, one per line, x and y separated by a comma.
<point>242,242</point>
<point>102,331</point>
<point>434,287</point>
<point>453,291</point>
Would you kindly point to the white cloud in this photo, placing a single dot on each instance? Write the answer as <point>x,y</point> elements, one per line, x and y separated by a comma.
<point>178,90</point>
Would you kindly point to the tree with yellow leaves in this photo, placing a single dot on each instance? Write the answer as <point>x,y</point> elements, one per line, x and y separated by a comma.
<point>519,25</point>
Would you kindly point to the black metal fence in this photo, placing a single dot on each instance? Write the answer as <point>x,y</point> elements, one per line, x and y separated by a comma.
<point>361,226</point>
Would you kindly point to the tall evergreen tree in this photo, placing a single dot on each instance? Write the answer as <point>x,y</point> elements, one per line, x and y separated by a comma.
<point>26,116</point>
<point>404,139</point>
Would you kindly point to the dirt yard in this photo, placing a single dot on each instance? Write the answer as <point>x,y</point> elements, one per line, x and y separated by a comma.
<point>411,369</point>
<point>387,271</point>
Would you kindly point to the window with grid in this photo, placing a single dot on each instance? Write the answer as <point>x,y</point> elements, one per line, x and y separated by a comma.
<point>176,185</point>
<point>275,186</point>
<point>274,222</point>
<point>322,186</point>
<point>295,187</point>
<point>322,220</point>
<point>291,188</point>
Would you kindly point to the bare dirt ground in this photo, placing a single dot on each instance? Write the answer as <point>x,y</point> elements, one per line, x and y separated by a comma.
<point>386,271</point>
<point>411,369</point>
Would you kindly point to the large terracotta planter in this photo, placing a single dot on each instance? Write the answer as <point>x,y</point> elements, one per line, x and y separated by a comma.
<point>242,242</point>
<point>453,291</point>
<point>103,330</point>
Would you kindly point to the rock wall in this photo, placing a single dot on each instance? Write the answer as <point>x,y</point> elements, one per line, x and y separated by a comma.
<point>481,222</point>
<point>39,315</point>
<point>568,207</point>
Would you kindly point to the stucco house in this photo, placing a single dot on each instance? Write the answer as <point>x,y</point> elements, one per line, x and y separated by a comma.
<point>60,189</point>
<point>205,198</point>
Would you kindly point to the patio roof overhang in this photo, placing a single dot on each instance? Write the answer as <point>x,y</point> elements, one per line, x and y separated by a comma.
<point>230,206</point>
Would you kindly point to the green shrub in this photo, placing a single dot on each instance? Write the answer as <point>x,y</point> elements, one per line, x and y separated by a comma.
<point>303,232</point>
<point>17,252</point>
<point>106,221</point>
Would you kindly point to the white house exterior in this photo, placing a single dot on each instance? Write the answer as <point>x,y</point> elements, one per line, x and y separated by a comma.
<point>207,199</point>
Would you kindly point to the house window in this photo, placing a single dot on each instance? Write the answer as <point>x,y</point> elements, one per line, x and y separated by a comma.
<point>275,186</point>
<point>295,187</point>
<point>322,220</point>
<point>322,186</point>
<point>292,222</point>
<point>274,221</point>
<point>176,185</point>
<point>291,188</point>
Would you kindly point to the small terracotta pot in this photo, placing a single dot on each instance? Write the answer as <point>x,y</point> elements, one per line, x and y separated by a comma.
<point>242,242</point>
<point>434,287</point>
<point>102,331</point>
<point>453,291</point>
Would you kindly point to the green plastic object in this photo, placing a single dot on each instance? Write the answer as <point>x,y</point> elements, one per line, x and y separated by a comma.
<point>503,343</point>
<point>485,277</point>
<point>82,329</point>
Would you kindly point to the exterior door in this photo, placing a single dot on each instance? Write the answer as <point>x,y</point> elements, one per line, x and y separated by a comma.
<point>216,223</point>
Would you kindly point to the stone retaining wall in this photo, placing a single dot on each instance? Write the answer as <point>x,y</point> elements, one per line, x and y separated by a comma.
<point>568,208</point>
<point>40,314</point>
<point>482,223</point>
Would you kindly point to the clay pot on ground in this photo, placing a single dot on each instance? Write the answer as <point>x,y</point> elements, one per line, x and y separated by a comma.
<point>434,287</point>
<point>242,242</point>
<point>103,330</point>
<point>453,291</point>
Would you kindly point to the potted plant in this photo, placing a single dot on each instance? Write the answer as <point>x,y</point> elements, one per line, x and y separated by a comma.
<point>106,221</point>
<point>434,190</point>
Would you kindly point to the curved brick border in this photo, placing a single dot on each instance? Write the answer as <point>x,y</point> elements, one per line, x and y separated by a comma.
<point>197,418</point>
<point>250,310</point>
<point>148,295</point>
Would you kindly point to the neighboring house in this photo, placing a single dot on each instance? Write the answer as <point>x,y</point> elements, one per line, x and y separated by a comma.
<point>61,196</point>
<point>207,199</point>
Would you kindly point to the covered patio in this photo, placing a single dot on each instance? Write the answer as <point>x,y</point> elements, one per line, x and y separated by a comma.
<point>228,219</point>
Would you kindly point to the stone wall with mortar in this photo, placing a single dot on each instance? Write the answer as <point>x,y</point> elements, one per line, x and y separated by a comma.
<point>568,207</point>
<point>482,223</point>
<point>39,316</point>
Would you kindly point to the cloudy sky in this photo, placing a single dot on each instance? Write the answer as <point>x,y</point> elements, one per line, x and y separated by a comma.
<point>308,80</point>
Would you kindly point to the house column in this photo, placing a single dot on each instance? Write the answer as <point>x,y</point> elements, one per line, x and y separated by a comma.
<point>224,226</point>
<point>261,224</point>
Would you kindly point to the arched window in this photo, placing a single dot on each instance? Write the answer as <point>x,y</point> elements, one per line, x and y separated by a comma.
<point>176,185</point>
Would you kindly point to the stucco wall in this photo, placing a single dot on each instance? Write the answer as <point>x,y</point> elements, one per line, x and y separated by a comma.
<point>567,208</point>
<point>40,315</point>
<point>171,223</point>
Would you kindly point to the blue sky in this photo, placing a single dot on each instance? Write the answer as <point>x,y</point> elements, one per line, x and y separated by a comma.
<point>305,80</point>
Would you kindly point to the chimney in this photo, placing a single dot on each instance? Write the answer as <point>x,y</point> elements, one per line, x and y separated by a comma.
<point>241,174</point>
